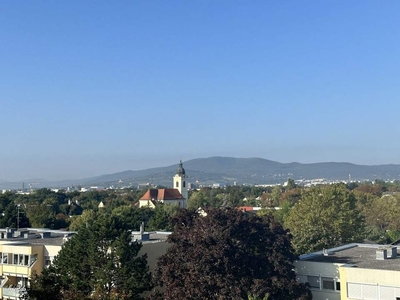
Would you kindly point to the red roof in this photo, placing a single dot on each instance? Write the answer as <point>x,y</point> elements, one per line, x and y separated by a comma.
<point>245,208</point>
<point>162,194</point>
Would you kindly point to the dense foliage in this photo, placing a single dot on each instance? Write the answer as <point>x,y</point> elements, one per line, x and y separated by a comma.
<point>325,217</point>
<point>99,262</point>
<point>44,208</point>
<point>376,201</point>
<point>210,256</point>
<point>228,254</point>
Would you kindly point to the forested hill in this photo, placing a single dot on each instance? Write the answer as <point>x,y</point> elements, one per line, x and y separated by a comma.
<point>254,171</point>
<point>227,170</point>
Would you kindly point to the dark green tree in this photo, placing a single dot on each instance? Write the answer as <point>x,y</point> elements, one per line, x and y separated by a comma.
<point>161,217</point>
<point>132,216</point>
<point>99,262</point>
<point>290,184</point>
<point>228,254</point>
<point>14,216</point>
<point>41,216</point>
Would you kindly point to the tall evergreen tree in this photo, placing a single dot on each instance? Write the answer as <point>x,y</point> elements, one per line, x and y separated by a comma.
<point>99,262</point>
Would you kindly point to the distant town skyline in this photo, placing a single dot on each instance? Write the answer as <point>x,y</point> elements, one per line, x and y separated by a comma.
<point>98,88</point>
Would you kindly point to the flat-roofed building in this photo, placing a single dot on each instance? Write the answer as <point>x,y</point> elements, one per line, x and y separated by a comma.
<point>24,252</point>
<point>353,271</point>
<point>27,251</point>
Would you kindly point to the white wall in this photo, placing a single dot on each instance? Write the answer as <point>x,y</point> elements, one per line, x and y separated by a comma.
<point>319,270</point>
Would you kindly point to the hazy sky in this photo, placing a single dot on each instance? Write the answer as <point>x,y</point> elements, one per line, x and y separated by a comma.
<point>96,87</point>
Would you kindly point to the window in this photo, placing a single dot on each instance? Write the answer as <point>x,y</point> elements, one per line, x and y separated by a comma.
<point>354,290</point>
<point>33,259</point>
<point>15,259</point>
<point>313,281</point>
<point>328,283</point>
<point>184,184</point>
<point>177,184</point>
<point>5,258</point>
<point>321,283</point>
<point>21,259</point>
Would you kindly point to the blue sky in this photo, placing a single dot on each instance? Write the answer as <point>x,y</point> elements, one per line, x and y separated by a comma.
<point>96,87</point>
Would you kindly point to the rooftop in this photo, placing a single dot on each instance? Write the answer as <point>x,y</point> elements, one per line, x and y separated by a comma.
<point>42,236</point>
<point>34,236</point>
<point>357,255</point>
<point>150,237</point>
<point>162,194</point>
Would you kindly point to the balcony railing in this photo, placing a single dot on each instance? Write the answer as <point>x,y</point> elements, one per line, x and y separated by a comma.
<point>14,293</point>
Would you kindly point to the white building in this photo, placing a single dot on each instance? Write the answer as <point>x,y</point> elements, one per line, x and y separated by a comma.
<point>177,195</point>
<point>353,271</point>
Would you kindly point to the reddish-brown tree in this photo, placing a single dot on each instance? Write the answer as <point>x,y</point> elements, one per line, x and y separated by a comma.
<point>228,254</point>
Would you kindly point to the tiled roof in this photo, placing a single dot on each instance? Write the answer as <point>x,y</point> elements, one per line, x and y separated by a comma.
<point>245,208</point>
<point>162,194</point>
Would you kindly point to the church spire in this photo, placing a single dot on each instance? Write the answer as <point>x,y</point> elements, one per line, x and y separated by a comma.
<point>180,181</point>
<point>181,170</point>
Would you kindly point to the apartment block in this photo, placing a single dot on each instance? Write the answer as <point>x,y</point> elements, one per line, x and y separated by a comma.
<point>353,271</point>
<point>24,252</point>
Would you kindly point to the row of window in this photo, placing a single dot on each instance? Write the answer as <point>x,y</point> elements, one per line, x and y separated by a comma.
<point>321,282</point>
<point>17,259</point>
<point>177,184</point>
<point>372,291</point>
<point>354,290</point>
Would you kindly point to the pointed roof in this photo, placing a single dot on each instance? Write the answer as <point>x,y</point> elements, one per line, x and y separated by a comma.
<point>162,194</point>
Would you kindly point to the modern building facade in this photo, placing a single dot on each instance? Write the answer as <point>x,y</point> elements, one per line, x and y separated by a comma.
<point>354,271</point>
<point>24,252</point>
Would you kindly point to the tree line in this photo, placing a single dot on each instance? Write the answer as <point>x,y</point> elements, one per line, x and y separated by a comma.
<point>293,219</point>
<point>44,208</point>
<point>322,216</point>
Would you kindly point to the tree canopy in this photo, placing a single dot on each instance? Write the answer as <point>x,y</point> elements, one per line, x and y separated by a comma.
<point>99,262</point>
<point>228,254</point>
<point>325,217</point>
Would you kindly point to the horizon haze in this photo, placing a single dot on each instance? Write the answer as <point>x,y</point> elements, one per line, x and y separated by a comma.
<point>91,88</point>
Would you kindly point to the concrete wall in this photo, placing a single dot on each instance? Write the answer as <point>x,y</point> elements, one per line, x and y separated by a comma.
<point>182,189</point>
<point>180,202</point>
<point>153,251</point>
<point>310,268</point>
<point>146,203</point>
<point>379,278</point>
<point>51,250</point>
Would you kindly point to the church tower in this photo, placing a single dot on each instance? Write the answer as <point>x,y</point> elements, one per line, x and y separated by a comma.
<point>180,181</point>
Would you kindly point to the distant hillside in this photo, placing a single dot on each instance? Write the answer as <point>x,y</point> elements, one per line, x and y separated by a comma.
<point>226,170</point>
<point>252,171</point>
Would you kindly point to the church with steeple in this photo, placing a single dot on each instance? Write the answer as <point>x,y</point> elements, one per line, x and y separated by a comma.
<point>180,181</point>
<point>177,195</point>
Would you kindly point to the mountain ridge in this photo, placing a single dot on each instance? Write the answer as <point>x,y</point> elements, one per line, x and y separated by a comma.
<point>227,170</point>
